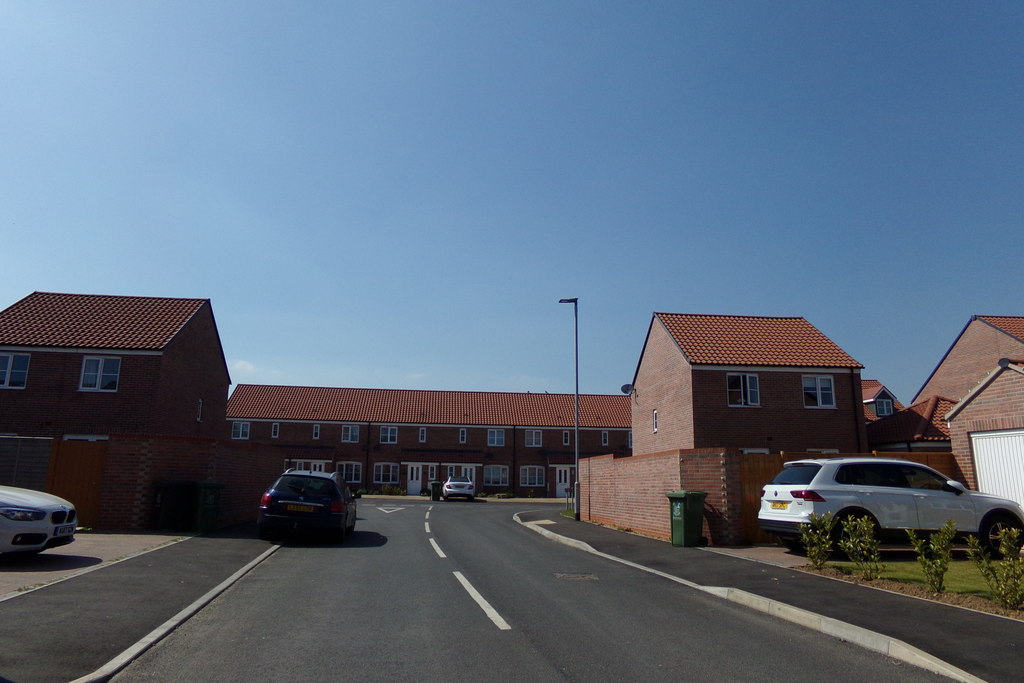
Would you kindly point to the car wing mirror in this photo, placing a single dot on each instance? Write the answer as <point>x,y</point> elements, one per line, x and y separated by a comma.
<point>954,487</point>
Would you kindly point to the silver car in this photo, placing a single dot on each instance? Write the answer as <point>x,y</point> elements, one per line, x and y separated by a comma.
<point>896,494</point>
<point>32,521</point>
<point>458,487</point>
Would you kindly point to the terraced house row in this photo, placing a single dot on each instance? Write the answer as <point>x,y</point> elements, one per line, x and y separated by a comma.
<point>386,439</point>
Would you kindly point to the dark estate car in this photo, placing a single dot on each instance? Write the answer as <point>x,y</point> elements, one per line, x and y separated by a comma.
<point>301,501</point>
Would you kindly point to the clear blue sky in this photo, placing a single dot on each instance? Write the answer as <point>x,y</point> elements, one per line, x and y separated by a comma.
<point>397,194</point>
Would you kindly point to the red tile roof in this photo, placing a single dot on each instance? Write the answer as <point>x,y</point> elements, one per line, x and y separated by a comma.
<point>1012,325</point>
<point>923,421</point>
<point>869,390</point>
<point>752,340</point>
<point>410,406</point>
<point>95,321</point>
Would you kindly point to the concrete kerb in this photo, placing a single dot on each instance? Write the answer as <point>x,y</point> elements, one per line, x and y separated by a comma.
<point>876,642</point>
<point>119,662</point>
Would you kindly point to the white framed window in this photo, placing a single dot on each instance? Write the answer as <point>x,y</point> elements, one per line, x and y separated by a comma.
<point>531,475</point>
<point>883,407</point>
<point>432,473</point>
<point>452,471</point>
<point>311,465</point>
<point>566,437</point>
<point>316,431</point>
<point>604,437</point>
<point>818,392</point>
<point>350,433</point>
<point>13,370</point>
<point>462,435</point>
<point>351,472</point>
<point>423,434</point>
<point>239,430</point>
<point>534,438</point>
<point>386,473</point>
<point>495,437</point>
<point>654,421</point>
<point>100,373</point>
<point>389,434</point>
<point>275,430</point>
<point>469,472</point>
<point>495,475</point>
<point>743,389</point>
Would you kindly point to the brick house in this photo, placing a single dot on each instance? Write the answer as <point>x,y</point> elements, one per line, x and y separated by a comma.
<point>754,384</point>
<point>79,366</point>
<point>878,401</point>
<point>979,346</point>
<point>987,430</point>
<point>519,442</point>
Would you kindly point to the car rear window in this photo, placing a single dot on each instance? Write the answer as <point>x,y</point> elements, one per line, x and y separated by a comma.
<point>308,485</point>
<point>796,474</point>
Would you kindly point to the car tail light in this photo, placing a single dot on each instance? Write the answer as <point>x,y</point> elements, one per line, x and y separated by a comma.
<point>265,500</point>
<point>337,505</point>
<point>812,496</point>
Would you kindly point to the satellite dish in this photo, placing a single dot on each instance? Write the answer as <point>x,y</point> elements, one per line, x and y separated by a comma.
<point>627,389</point>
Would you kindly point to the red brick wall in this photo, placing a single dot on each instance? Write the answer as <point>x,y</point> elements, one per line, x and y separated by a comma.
<point>137,463</point>
<point>972,358</point>
<point>192,369</point>
<point>51,404</point>
<point>780,422</point>
<point>999,406</point>
<point>629,493</point>
<point>662,383</point>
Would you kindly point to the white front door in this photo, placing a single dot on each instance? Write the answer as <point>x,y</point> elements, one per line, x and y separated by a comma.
<point>563,481</point>
<point>415,480</point>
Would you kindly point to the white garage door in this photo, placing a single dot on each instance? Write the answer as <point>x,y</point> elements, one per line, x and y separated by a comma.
<point>999,459</point>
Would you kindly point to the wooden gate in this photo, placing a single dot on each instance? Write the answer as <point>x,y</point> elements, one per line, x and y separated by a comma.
<point>76,474</point>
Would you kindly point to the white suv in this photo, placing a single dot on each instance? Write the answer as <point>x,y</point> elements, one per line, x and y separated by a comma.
<point>896,494</point>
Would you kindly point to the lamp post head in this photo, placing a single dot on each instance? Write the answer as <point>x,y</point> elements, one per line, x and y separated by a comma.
<point>568,301</point>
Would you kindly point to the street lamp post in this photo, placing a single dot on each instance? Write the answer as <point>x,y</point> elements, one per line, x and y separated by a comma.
<point>576,429</point>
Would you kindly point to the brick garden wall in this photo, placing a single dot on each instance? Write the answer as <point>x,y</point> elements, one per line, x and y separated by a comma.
<point>137,463</point>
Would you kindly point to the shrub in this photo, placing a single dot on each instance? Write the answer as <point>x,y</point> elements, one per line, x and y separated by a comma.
<point>816,537</point>
<point>860,544</point>
<point>934,554</point>
<point>1005,577</point>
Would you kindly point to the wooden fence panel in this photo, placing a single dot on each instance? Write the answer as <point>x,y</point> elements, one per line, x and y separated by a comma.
<point>76,474</point>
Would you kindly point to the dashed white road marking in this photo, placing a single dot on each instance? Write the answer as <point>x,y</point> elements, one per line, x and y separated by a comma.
<point>437,549</point>
<point>491,613</point>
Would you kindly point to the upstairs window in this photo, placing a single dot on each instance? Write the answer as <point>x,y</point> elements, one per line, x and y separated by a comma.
<point>239,430</point>
<point>534,438</point>
<point>100,374</point>
<point>13,370</point>
<point>566,438</point>
<point>423,434</point>
<point>316,433</point>
<point>389,434</point>
<point>462,435</point>
<point>604,437</point>
<point>275,430</point>
<point>495,437</point>
<point>350,433</point>
<point>743,389</point>
<point>818,392</point>
<point>883,407</point>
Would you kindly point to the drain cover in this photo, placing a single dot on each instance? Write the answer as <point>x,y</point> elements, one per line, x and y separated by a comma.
<point>577,577</point>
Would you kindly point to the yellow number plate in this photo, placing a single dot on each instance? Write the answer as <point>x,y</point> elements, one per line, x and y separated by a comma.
<point>779,505</point>
<point>299,508</point>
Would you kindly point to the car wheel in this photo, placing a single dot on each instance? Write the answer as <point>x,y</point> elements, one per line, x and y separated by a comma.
<point>990,529</point>
<point>445,497</point>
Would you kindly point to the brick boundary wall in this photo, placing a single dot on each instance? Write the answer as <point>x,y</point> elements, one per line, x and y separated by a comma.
<point>136,464</point>
<point>629,492</point>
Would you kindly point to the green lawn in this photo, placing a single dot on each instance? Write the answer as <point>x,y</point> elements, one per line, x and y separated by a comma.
<point>963,576</point>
